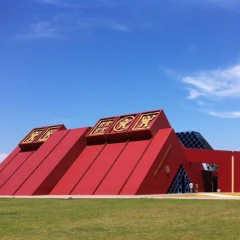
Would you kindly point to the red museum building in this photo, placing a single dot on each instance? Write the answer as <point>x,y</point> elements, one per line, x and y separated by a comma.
<point>132,154</point>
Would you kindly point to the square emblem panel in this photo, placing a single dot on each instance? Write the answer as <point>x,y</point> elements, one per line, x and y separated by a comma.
<point>102,126</point>
<point>119,130</point>
<point>27,142</point>
<point>147,125</point>
<point>48,133</point>
<point>97,134</point>
<point>32,136</point>
<point>145,121</point>
<point>38,136</point>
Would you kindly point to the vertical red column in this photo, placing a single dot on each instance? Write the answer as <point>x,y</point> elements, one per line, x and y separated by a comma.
<point>236,171</point>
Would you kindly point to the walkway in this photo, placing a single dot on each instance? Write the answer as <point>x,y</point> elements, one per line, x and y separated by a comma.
<point>205,196</point>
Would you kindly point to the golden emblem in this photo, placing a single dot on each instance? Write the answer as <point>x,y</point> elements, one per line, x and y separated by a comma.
<point>102,127</point>
<point>144,121</point>
<point>33,135</point>
<point>123,124</point>
<point>167,169</point>
<point>47,135</point>
<point>100,130</point>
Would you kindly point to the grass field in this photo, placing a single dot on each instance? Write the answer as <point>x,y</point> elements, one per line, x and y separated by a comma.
<point>119,219</point>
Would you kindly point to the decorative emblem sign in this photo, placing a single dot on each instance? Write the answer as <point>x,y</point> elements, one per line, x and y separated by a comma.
<point>32,136</point>
<point>101,127</point>
<point>123,124</point>
<point>48,134</point>
<point>145,121</point>
<point>167,169</point>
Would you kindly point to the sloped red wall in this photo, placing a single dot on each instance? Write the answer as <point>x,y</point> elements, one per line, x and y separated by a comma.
<point>9,158</point>
<point>175,158</point>
<point>138,174</point>
<point>50,171</point>
<point>31,164</point>
<point>122,168</point>
<point>8,172</point>
<point>78,169</point>
<point>149,176</point>
<point>101,166</point>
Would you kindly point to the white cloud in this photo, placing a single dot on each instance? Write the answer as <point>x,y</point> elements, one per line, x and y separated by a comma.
<point>59,25</point>
<point>219,83</point>
<point>225,114</point>
<point>119,27</point>
<point>3,156</point>
<point>100,22</point>
<point>208,87</point>
<point>168,71</point>
<point>40,30</point>
<point>57,3</point>
<point>43,30</point>
<point>200,103</point>
<point>232,5</point>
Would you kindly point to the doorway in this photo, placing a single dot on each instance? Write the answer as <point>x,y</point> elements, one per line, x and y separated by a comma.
<point>214,183</point>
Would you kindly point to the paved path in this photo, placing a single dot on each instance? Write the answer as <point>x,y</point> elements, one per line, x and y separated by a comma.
<point>201,196</point>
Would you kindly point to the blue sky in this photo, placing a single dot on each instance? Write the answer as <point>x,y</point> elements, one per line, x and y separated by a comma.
<point>74,62</point>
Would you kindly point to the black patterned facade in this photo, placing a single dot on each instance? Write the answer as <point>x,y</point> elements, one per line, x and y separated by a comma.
<point>194,140</point>
<point>181,182</point>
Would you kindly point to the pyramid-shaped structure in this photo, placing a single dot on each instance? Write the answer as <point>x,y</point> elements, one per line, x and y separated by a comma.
<point>125,155</point>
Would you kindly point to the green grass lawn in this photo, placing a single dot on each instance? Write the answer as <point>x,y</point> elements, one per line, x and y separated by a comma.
<point>119,219</point>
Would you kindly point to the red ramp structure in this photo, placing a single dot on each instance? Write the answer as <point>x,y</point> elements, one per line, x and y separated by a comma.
<point>132,154</point>
<point>30,165</point>
<point>121,170</point>
<point>78,169</point>
<point>56,163</point>
<point>8,172</point>
<point>9,158</point>
<point>42,161</point>
<point>126,158</point>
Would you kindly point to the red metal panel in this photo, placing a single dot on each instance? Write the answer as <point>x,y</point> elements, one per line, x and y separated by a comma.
<point>55,164</point>
<point>171,156</point>
<point>99,169</point>
<point>197,166</point>
<point>122,168</point>
<point>196,170</point>
<point>222,158</point>
<point>140,172</point>
<point>9,158</point>
<point>8,172</point>
<point>236,171</point>
<point>61,160</point>
<point>31,164</point>
<point>77,170</point>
